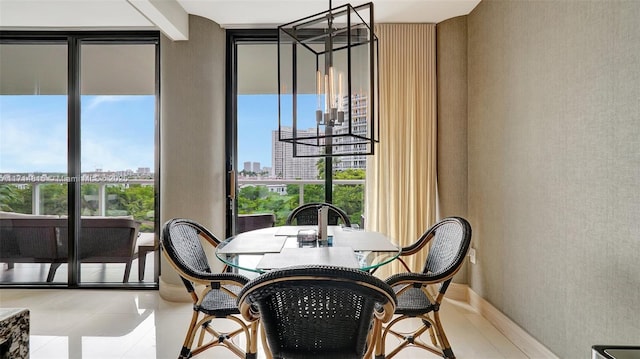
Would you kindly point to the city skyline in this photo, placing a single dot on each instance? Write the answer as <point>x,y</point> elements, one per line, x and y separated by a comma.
<point>117,131</point>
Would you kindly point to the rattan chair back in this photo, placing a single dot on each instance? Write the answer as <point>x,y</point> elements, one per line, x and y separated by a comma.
<point>307,214</point>
<point>181,243</point>
<point>317,311</point>
<point>182,246</point>
<point>449,241</point>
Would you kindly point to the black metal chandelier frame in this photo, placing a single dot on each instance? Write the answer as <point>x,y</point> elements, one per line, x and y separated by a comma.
<point>335,131</point>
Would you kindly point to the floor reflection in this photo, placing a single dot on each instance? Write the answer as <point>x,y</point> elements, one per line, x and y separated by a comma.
<point>90,272</point>
<point>106,324</point>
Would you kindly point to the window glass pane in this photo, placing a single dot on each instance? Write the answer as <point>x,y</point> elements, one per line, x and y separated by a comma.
<point>270,179</point>
<point>118,133</point>
<point>33,162</point>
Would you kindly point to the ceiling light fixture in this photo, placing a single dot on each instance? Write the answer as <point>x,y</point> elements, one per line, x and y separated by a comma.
<point>327,83</point>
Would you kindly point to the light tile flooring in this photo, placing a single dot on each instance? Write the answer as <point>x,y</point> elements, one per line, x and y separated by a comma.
<point>84,324</point>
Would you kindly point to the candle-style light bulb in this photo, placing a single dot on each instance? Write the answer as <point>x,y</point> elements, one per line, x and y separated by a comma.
<point>340,93</point>
<point>332,91</point>
<point>327,96</point>
<point>319,89</point>
<point>319,97</point>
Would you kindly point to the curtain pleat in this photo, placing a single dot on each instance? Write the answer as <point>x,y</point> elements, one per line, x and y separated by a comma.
<point>401,176</point>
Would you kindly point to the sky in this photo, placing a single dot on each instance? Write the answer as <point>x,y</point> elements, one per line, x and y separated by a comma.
<point>117,133</point>
<point>258,117</point>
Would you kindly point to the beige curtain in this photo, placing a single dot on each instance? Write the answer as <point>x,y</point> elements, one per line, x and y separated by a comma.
<point>401,176</point>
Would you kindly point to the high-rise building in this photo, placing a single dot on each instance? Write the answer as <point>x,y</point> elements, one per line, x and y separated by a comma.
<point>256,167</point>
<point>359,123</point>
<point>286,166</point>
<point>247,166</point>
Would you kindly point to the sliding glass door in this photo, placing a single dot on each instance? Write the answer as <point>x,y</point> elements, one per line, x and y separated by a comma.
<point>33,160</point>
<point>267,178</point>
<point>117,121</point>
<point>78,159</point>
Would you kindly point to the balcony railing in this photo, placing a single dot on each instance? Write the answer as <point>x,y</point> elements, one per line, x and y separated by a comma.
<point>101,196</point>
<point>283,182</point>
<point>36,182</point>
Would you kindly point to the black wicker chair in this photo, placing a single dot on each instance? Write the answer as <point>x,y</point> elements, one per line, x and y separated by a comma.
<point>181,244</point>
<point>308,214</point>
<point>449,241</point>
<point>318,312</point>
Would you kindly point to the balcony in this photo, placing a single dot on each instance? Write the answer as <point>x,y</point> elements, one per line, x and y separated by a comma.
<point>280,196</point>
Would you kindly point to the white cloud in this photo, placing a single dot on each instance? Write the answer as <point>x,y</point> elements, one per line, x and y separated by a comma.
<point>98,100</point>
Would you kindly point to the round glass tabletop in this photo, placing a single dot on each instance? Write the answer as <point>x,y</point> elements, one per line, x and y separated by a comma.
<point>277,247</point>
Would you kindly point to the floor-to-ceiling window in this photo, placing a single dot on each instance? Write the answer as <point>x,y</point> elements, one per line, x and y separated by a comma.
<point>78,158</point>
<point>269,178</point>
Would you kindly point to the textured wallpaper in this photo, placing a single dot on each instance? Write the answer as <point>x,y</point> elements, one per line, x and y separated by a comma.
<point>554,168</point>
<point>192,135</point>
<point>452,122</point>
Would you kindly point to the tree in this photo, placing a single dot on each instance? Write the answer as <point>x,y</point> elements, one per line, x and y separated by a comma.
<point>320,166</point>
<point>89,199</point>
<point>350,197</point>
<point>258,199</point>
<point>20,202</point>
<point>54,199</point>
<point>8,196</point>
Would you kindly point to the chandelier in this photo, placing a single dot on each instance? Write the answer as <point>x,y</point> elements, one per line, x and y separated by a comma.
<point>327,83</point>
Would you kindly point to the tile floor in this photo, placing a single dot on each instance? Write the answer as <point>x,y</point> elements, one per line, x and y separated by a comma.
<point>87,324</point>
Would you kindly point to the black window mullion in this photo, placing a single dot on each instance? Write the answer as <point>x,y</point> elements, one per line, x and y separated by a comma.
<point>73,159</point>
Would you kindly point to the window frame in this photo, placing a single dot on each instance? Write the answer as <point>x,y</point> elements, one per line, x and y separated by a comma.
<point>74,40</point>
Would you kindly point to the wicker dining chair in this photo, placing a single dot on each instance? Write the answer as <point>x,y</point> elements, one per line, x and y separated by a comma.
<point>182,247</point>
<point>318,312</point>
<point>420,294</point>
<point>308,214</point>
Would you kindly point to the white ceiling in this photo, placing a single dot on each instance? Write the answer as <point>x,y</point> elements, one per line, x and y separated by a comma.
<point>171,17</point>
<point>165,14</point>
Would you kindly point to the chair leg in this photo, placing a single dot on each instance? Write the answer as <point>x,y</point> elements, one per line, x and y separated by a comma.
<point>375,337</point>
<point>52,271</point>
<point>142,262</point>
<point>252,344</point>
<point>442,337</point>
<point>436,332</point>
<point>265,345</point>
<point>185,352</point>
<point>127,272</point>
<point>222,339</point>
<point>432,332</point>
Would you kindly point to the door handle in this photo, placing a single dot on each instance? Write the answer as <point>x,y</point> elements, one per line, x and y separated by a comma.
<point>232,184</point>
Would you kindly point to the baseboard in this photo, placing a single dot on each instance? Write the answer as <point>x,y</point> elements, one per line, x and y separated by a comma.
<point>173,292</point>
<point>458,292</point>
<point>512,331</point>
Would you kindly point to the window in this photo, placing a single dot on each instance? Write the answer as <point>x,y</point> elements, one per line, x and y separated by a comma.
<point>269,178</point>
<point>78,151</point>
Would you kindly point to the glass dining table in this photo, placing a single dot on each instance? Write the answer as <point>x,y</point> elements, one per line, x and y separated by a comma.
<point>264,249</point>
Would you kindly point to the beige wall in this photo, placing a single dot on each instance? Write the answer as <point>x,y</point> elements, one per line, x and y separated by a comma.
<point>554,167</point>
<point>192,161</point>
<point>451,42</point>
